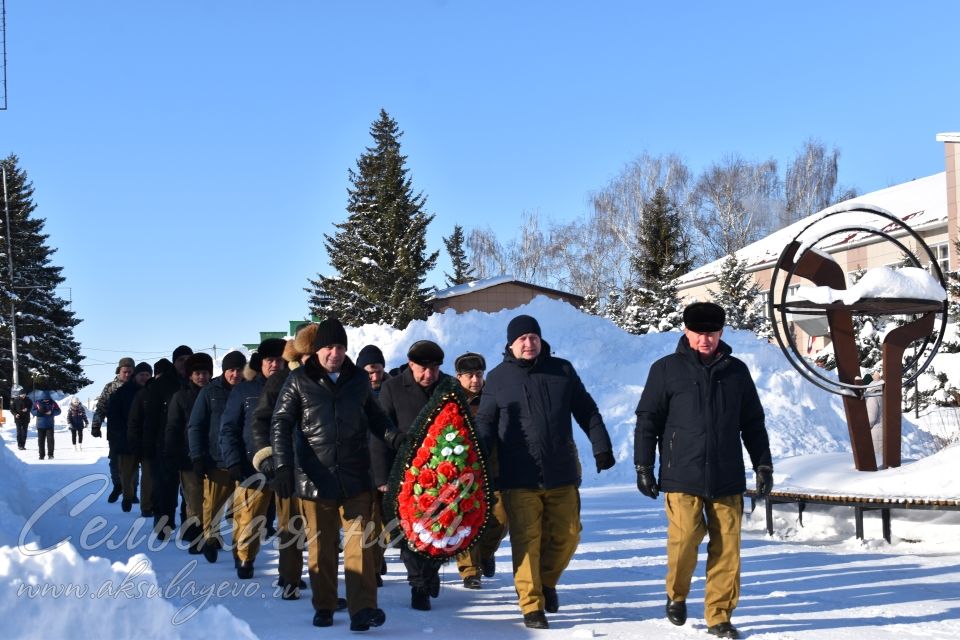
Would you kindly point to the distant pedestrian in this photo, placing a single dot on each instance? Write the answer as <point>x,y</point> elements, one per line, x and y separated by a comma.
<point>76,420</point>
<point>45,408</point>
<point>21,407</point>
<point>698,405</point>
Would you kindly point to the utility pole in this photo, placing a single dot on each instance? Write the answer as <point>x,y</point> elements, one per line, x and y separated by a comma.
<point>13,310</point>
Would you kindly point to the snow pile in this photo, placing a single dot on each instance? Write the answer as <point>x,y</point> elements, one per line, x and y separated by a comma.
<point>880,282</point>
<point>59,594</point>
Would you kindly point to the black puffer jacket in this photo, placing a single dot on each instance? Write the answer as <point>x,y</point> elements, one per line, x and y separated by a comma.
<point>118,416</point>
<point>148,420</point>
<point>203,430</point>
<point>176,448</point>
<point>696,415</point>
<point>322,428</point>
<point>402,400</point>
<point>236,439</point>
<point>525,412</point>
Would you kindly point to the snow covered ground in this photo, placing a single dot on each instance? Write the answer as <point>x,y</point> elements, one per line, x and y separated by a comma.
<point>74,566</point>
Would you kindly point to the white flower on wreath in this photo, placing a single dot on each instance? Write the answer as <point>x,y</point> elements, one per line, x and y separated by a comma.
<point>450,437</point>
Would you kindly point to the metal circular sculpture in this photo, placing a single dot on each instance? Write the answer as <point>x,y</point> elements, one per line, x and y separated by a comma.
<point>800,259</point>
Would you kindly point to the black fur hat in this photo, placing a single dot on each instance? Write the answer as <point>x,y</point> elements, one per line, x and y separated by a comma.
<point>704,317</point>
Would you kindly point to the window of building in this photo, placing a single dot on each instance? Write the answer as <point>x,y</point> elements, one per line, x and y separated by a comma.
<point>942,253</point>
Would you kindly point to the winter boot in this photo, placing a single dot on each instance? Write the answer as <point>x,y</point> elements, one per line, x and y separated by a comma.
<point>365,618</point>
<point>472,582</point>
<point>724,630</point>
<point>677,611</point>
<point>115,494</point>
<point>550,600</point>
<point>535,620</point>
<point>323,618</point>
<point>420,599</point>
<point>489,567</point>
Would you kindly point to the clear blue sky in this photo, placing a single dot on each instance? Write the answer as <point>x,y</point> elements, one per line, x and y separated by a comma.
<point>188,156</point>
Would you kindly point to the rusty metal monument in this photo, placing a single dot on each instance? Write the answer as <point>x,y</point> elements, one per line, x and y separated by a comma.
<point>801,259</point>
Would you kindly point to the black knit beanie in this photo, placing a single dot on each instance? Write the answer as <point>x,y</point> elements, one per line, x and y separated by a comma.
<point>329,332</point>
<point>143,367</point>
<point>521,326</point>
<point>233,360</point>
<point>370,354</point>
<point>162,366</point>
<point>182,350</point>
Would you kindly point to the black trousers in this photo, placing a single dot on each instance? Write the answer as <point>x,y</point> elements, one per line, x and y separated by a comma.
<point>76,435</point>
<point>166,492</point>
<point>22,428</point>
<point>45,440</point>
<point>422,573</point>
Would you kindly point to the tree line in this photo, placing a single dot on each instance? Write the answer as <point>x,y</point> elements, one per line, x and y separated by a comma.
<point>651,224</point>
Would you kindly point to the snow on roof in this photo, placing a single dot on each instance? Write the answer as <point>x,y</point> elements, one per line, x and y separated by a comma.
<point>476,285</point>
<point>919,203</point>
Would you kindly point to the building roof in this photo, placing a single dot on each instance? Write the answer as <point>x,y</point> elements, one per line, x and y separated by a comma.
<point>921,203</point>
<point>486,283</point>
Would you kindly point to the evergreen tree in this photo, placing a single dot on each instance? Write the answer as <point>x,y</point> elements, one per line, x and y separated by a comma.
<point>739,294</point>
<point>379,252</point>
<point>48,356</point>
<point>462,271</point>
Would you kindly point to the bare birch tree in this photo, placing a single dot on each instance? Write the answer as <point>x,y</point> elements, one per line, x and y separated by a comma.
<point>810,184</point>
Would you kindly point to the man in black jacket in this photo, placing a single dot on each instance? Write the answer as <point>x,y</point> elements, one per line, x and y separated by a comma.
<point>21,416</point>
<point>319,436</point>
<point>525,413</point>
<point>697,406</point>
<point>402,397</point>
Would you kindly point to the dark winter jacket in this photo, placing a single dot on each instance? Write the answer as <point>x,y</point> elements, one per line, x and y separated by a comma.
<point>401,399</point>
<point>118,416</point>
<point>175,448</point>
<point>45,408</point>
<point>103,402</point>
<point>697,415</point>
<point>525,412</point>
<point>136,417</point>
<point>77,417</point>
<point>21,409</point>
<point>236,439</point>
<point>263,412</point>
<point>322,428</point>
<point>203,430</point>
<point>148,421</point>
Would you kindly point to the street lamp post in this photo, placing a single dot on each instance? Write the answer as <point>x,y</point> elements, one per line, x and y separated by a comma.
<point>13,311</point>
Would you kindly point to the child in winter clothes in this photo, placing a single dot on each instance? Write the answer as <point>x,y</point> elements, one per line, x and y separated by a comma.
<point>77,419</point>
<point>45,408</point>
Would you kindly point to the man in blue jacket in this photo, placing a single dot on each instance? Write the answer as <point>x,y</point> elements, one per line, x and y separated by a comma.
<point>525,413</point>
<point>697,406</point>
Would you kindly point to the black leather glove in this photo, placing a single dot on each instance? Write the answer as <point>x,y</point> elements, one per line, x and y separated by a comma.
<point>95,431</point>
<point>200,467</point>
<point>646,483</point>
<point>399,437</point>
<point>268,468</point>
<point>236,473</point>
<point>604,460</point>
<point>283,483</point>
<point>764,480</point>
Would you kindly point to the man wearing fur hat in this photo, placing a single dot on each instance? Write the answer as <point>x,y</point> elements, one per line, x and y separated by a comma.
<point>698,404</point>
<point>203,437</point>
<point>20,408</point>
<point>252,497</point>
<point>118,424</point>
<point>402,397</point>
<point>327,408</point>
<point>124,372</point>
<point>199,368</point>
<point>525,414</point>
<point>479,560</point>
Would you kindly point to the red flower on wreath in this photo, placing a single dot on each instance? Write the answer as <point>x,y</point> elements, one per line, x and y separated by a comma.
<point>447,469</point>
<point>425,501</point>
<point>427,478</point>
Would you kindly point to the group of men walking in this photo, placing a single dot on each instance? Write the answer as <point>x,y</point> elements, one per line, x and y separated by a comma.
<point>308,429</point>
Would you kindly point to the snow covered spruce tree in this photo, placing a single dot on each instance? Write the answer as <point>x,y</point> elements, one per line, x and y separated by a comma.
<point>662,254</point>
<point>379,252</point>
<point>462,271</point>
<point>739,294</point>
<point>48,356</point>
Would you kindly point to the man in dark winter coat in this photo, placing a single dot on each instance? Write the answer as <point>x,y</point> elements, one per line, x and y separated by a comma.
<point>199,368</point>
<point>320,438</point>
<point>371,360</point>
<point>118,426</point>
<point>45,409</point>
<point>203,437</point>
<point>21,417</point>
<point>402,397</point>
<point>698,404</point>
<point>148,423</point>
<point>100,413</point>
<point>252,497</point>
<point>525,413</point>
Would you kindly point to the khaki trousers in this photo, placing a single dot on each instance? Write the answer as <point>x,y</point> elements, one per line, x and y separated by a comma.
<point>290,535</point>
<point>217,503</point>
<point>324,518</point>
<point>250,520</point>
<point>544,534</point>
<point>468,562</point>
<point>130,466</point>
<point>192,485</point>
<point>689,519</point>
